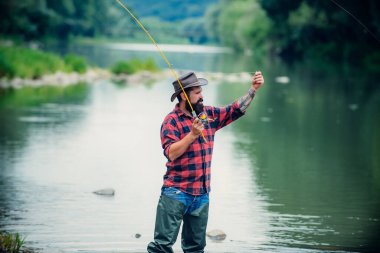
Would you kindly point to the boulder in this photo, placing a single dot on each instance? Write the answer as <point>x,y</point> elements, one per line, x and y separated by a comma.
<point>216,234</point>
<point>282,79</point>
<point>105,191</point>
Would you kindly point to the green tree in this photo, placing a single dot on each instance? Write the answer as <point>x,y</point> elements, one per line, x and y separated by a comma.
<point>241,24</point>
<point>321,28</point>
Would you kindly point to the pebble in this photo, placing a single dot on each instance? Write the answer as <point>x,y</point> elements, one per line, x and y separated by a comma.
<point>106,191</point>
<point>216,234</point>
<point>282,79</point>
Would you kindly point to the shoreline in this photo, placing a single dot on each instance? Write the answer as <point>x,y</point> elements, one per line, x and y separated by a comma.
<point>61,79</point>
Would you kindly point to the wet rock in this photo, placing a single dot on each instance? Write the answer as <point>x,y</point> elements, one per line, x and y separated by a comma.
<point>282,79</point>
<point>216,234</point>
<point>353,107</point>
<point>105,191</point>
<point>265,119</point>
<point>137,235</point>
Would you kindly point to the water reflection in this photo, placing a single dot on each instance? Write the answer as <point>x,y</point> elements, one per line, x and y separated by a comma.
<point>21,110</point>
<point>23,114</point>
<point>313,151</point>
<point>300,172</point>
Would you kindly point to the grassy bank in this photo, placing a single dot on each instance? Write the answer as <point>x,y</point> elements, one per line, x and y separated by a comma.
<point>27,63</point>
<point>133,66</point>
<point>32,64</point>
<point>11,243</point>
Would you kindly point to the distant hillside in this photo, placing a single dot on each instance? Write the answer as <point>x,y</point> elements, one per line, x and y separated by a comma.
<point>170,10</point>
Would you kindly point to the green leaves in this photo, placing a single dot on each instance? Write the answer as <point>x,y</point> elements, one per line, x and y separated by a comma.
<point>240,24</point>
<point>75,63</point>
<point>27,63</point>
<point>133,66</point>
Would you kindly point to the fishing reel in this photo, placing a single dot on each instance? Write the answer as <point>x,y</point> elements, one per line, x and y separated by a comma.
<point>202,117</point>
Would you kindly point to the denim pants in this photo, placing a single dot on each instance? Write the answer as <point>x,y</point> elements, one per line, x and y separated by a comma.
<point>174,207</point>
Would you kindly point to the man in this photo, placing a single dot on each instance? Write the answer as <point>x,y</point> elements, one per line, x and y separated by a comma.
<point>188,145</point>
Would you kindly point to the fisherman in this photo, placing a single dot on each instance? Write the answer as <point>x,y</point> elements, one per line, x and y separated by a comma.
<point>187,144</point>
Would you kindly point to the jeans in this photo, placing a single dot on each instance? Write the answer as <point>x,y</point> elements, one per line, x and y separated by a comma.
<point>174,207</point>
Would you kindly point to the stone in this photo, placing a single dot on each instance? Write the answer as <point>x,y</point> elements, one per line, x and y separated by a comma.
<point>216,234</point>
<point>353,107</point>
<point>105,191</point>
<point>282,79</point>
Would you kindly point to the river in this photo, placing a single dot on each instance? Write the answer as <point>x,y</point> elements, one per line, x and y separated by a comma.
<point>300,172</point>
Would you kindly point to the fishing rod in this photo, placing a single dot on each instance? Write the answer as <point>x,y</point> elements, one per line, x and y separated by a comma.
<point>357,20</point>
<point>165,59</point>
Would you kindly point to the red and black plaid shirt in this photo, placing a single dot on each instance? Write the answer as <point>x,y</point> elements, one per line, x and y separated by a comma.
<point>191,171</point>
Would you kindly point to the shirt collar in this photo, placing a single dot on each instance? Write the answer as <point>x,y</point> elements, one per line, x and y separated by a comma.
<point>179,112</point>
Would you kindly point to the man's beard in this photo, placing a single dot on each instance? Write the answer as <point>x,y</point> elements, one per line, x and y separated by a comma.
<point>198,106</point>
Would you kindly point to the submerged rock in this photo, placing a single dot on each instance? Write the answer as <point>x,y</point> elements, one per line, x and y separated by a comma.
<point>105,191</point>
<point>216,234</point>
<point>282,79</point>
<point>353,107</point>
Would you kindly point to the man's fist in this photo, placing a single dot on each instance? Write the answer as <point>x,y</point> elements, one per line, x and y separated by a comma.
<point>197,127</point>
<point>257,80</point>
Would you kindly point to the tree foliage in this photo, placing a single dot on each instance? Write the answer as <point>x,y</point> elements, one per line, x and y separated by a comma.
<point>171,20</point>
<point>241,24</point>
<point>171,10</point>
<point>298,28</point>
<point>35,19</point>
<point>317,27</point>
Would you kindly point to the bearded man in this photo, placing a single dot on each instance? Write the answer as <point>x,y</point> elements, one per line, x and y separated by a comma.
<point>187,144</point>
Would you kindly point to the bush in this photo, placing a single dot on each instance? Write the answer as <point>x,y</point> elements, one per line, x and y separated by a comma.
<point>122,67</point>
<point>133,66</point>
<point>151,65</point>
<point>75,63</point>
<point>28,63</point>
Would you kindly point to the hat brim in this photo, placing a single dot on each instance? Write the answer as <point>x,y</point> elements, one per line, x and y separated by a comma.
<point>201,82</point>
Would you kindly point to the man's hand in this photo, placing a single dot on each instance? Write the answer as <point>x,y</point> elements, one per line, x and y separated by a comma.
<point>257,80</point>
<point>197,127</point>
<point>179,148</point>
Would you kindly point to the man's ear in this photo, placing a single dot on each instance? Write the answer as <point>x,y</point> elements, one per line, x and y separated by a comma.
<point>188,91</point>
<point>182,96</point>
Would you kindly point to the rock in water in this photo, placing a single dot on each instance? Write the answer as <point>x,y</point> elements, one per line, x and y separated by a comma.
<point>106,191</point>
<point>216,234</point>
<point>282,79</point>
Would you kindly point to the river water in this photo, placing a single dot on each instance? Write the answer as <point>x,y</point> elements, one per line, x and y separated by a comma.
<point>300,172</point>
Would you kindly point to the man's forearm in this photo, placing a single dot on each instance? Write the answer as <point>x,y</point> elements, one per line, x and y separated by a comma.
<point>177,149</point>
<point>246,100</point>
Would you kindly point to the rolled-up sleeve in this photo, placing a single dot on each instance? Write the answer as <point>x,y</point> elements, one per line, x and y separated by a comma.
<point>169,135</point>
<point>227,114</point>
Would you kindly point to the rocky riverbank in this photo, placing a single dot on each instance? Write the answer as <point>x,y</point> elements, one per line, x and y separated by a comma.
<point>96,74</point>
<point>56,79</point>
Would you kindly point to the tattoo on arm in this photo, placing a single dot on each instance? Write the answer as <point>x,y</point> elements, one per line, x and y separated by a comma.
<point>246,100</point>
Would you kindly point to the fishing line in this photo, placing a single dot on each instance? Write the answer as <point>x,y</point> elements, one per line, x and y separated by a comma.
<point>164,57</point>
<point>357,20</point>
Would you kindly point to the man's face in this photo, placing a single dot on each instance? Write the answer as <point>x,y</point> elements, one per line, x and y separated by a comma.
<point>196,99</point>
<point>196,95</point>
